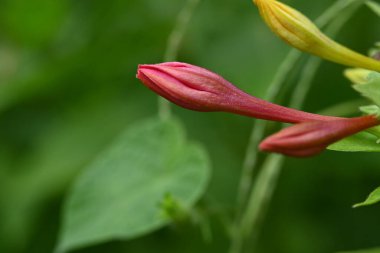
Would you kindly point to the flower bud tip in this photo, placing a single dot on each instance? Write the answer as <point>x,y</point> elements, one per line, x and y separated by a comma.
<point>311,138</point>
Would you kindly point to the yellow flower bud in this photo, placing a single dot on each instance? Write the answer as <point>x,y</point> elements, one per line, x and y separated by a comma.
<point>298,31</point>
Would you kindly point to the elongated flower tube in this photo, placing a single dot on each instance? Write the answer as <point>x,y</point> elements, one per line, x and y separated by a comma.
<point>199,89</point>
<point>311,138</point>
<point>298,31</point>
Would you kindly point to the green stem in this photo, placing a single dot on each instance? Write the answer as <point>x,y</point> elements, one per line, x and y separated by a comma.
<point>262,193</point>
<point>259,127</point>
<point>266,181</point>
<point>174,41</point>
<point>286,67</point>
<point>260,196</point>
<point>344,109</point>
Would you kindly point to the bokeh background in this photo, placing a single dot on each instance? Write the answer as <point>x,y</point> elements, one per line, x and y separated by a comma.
<point>68,88</point>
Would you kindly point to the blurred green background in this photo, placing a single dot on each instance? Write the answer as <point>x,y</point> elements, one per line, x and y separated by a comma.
<point>68,88</point>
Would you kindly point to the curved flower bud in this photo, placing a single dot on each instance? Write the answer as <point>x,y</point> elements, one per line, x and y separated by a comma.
<point>199,89</point>
<point>298,31</point>
<point>311,138</point>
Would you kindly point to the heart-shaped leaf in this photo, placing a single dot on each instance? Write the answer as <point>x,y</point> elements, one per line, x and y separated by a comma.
<point>118,196</point>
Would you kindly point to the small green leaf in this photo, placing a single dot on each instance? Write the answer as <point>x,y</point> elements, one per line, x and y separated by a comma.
<point>374,6</point>
<point>361,142</point>
<point>373,198</point>
<point>375,131</point>
<point>371,89</point>
<point>357,75</point>
<point>370,110</point>
<point>120,195</point>
<point>375,250</point>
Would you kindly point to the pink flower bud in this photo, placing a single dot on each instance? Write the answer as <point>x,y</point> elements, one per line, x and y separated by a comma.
<point>199,89</point>
<point>311,138</point>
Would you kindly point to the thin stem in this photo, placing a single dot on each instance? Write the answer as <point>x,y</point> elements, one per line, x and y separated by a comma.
<point>286,67</point>
<point>174,41</point>
<point>266,182</point>
<point>260,196</point>
<point>262,192</point>
<point>344,109</point>
<point>259,127</point>
<point>297,101</point>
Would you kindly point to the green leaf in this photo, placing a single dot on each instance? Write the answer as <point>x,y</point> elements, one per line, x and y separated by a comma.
<point>375,131</point>
<point>375,250</point>
<point>371,89</point>
<point>361,142</point>
<point>374,6</point>
<point>370,110</point>
<point>120,195</point>
<point>373,198</point>
<point>356,75</point>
